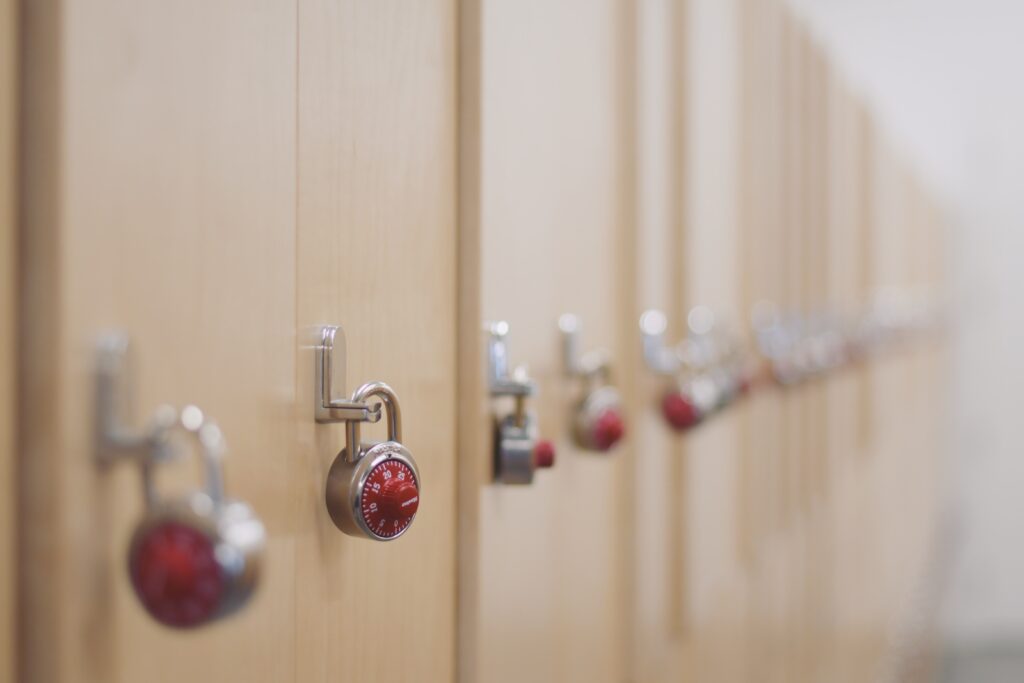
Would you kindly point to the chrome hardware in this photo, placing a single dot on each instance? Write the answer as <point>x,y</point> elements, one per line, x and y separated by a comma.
<point>660,358</point>
<point>518,452</point>
<point>896,316</point>
<point>328,408</point>
<point>598,423</point>
<point>708,367</point>
<point>194,559</point>
<point>799,348</point>
<point>373,488</point>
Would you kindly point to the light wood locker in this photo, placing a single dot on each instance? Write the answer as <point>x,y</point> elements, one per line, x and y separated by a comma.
<point>376,253</point>
<point>545,582</point>
<point>8,331</point>
<point>760,267</point>
<point>659,489</point>
<point>217,181</point>
<point>715,590</point>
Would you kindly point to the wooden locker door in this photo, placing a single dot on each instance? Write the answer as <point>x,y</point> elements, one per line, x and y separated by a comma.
<point>659,502</point>
<point>548,587</point>
<point>8,331</point>
<point>160,200</point>
<point>714,597</point>
<point>376,254</point>
<point>217,181</point>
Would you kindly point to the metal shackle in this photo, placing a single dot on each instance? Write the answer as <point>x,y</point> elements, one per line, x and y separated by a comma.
<point>394,417</point>
<point>208,437</point>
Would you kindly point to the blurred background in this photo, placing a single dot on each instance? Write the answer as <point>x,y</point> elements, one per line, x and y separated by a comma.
<point>944,78</point>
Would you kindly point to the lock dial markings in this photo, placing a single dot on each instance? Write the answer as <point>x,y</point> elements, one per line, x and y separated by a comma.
<point>390,498</point>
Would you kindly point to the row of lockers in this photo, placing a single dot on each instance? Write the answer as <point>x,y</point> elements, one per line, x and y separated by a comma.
<point>220,182</point>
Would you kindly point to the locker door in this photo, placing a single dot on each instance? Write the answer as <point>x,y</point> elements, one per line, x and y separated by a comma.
<point>659,497</point>
<point>160,201</point>
<point>713,597</point>
<point>8,330</point>
<point>217,180</point>
<point>376,254</point>
<point>549,561</point>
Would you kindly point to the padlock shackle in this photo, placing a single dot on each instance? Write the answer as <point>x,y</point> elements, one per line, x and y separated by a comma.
<point>391,407</point>
<point>210,441</point>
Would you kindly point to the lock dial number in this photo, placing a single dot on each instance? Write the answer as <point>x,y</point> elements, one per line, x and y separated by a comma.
<point>390,498</point>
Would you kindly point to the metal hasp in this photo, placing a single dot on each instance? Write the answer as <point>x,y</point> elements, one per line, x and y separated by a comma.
<point>517,451</point>
<point>799,348</point>
<point>660,358</point>
<point>703,346</point>
<point>330,378</point>
<point>598,423</point>
<point>504,382</point>
<point>115,440</point>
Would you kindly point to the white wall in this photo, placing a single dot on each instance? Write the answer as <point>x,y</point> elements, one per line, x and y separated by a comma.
<point>946,78</point>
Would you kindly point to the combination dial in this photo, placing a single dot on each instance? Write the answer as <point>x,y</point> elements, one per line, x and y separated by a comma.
<point>390,498</point>
<point>175,573</point>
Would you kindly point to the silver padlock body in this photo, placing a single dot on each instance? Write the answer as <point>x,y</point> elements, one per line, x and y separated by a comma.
<point>703,393</point>
<point>727,387</point>
<point>594,405</point>
<point>236,533</point>
<point>346,483</point>
<point>513,450</point>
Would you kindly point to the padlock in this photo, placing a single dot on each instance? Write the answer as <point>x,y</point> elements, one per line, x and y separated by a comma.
<point>373,489</point>
<point>599,424</point>
<point>518,452</point>
<point>690,401</point>
<point>195,559</point>
<point>703,367</point>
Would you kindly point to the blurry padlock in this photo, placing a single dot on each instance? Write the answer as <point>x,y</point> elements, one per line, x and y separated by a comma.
<point>193,559</point>
<point>598,422</point>
<point>196,558</point>
<point>518,450</point>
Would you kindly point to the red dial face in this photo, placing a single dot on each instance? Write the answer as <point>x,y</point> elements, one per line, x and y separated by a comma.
<point>680,411</point>
<point>176,575</point>
<point>609,428</point>
<point>390,498</point>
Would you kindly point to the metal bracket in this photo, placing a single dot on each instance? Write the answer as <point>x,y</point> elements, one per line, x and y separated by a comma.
<point>114,439</point>
<point>703,347</point>
<point>659,356</point>
<point>502,381</point>
<point>330,378</point>
<point>594,364</point>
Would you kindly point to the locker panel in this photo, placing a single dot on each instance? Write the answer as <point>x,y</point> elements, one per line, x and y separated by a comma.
<point>553,219</point>
<point>376,254</point>
<point>163,140</point>
<point>8,330</point>
<point>713,602</point>
<point>659,492</point>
